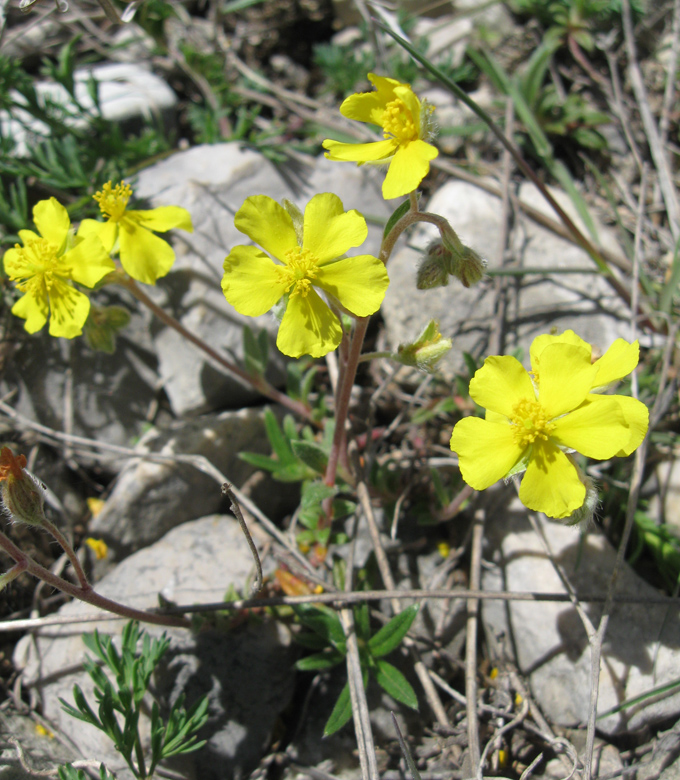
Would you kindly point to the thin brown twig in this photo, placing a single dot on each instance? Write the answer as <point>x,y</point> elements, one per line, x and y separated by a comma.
<point>386,573</point>
<point>471,646</point>
<point>651,130</point>
<point>228,490</point>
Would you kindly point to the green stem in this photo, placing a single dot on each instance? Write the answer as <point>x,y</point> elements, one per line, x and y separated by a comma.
<point>374,355</point>
<point>259,383</point>
<point>86,594</point>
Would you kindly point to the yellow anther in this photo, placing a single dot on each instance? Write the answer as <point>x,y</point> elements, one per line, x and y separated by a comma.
<point>113,200</point>
<point>397,122</point>
<point>530,422</point>
<point>299,272</point>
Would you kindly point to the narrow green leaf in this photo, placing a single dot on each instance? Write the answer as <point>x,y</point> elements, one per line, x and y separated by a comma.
<point>260,461</point>
<point>362,621</point>
<point>279,442</point>
<point>392,681</point>
<point>390,635</point>
<point>323,621</point>
<point>341,714</point>
<point>397,214</point>
<point>311,454</point>
<point>319,661</point>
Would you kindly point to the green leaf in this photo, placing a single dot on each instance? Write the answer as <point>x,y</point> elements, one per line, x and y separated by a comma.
<point>324,622</point>
<point>362,621</point>
<point>390,635</point>
<point>255,350</point>
<point>279,441</point>
<point>392,681</point>
<point>397,214</point>
<point>341,714</point>
<point>319,661</point>
<point>311,454</point>
<point>260,461</point>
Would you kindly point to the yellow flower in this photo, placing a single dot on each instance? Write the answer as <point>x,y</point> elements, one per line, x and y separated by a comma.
<point>534,426</point>
<point>407,126</point>
<point>144,257</point>
<point>311,252</point>
<point>98,547</point>
<point>45,266</point>
<point>618,361</point>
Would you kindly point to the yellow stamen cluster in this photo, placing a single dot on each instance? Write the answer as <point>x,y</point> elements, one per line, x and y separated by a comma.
<point>42,257</point>
<point>299,272</point>
<point>113,200</point>
<point>397,122</point>
<point>530,422</point>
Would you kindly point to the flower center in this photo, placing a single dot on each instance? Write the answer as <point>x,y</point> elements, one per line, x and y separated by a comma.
<point>41,258</point>
<point>397,122</point>
<point>530,422</point>
<point>113,200</point>
<point>299,271</point>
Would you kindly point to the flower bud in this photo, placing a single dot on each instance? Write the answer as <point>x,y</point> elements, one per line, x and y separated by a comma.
<point>470,268</point>
<point>433,269</point>
<point>21,494</point>
<point>426,351</point>
<point>583,516</point>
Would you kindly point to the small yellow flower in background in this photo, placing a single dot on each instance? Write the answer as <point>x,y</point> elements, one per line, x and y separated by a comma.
<point>407,126</point>
<point>45,266</point>
<point>95,505</point>
<point>98,547</point>
<point>311,252</point>
<point>144,257</point>
<point>533,426</point>
<point>444,548</point>
<point>41,731</point>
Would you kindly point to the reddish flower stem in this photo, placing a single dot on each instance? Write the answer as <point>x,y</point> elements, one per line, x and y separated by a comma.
<point>259,383</point>
<point>86,593</point>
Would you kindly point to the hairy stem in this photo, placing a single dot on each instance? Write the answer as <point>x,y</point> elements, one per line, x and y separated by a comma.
<point>86,594</point>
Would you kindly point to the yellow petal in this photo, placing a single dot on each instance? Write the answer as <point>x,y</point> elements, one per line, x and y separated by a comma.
<point>268,224</point>
<point>364,107</point>
<point>15,264</point>
<point>378,151</point>
<point>33,310</point>
<point>88,261</point>
<point>566,377</point>
<point>163,218</point>
<point>636,415</point>
<point>500,384</point>
<point>68,310</point>
<point>618,361</point>
<point>358,283</point>
<point>596,429</point>
<point>250,282</point>
<point>409,99</point>
<point>486,450</point>
<point>541,342</point>
<point>144,256</point>
<point>408,168</point>
<point>52,221</point>
<point>107,232</point>
<point>551,483</point>
<point>330,231</point>
<point>308,327</point>
<point>28,235</point>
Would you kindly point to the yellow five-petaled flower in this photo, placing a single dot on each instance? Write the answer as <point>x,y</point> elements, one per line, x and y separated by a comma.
<point>310,251</point>
<point>535,422</point>
<point>45,266</point>
<point>406,122</point>
<point>144,257</point>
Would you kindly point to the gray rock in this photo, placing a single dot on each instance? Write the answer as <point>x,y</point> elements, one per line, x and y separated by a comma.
<point>65,385</point>
<point>245,672</point>
<point>127,91</point>
<point>151,497</point>
<point>447,38</point>
<point>212,182</point>
<point>535,304</point>
<point>42,749</point>
<point>642,641</point>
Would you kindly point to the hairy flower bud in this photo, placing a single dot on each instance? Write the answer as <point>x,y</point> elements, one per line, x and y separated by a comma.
<point>21,494</point>
<point>433,269</point>
<point>470,268</point>
<point>583,516</point>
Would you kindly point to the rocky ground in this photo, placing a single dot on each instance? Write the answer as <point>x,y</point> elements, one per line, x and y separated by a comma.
<point>113,435</point>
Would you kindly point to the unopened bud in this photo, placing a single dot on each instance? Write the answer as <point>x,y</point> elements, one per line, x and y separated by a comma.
<point>21,494</point>
<point>433,269</point>
<point>470,268</point>
<point>426,351</point>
